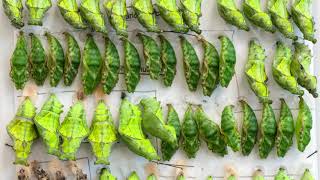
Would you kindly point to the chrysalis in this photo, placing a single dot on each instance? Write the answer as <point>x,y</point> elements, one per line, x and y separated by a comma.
<point>103,134</point>
<point>56,60</point>
<point>37,10</point>
<point>130,130</point>
<point>23,131</point>
<point>92,64</point>
<point>14,11</point>
<point>73,130</point>
<point>19,63</point>
<point>90,11</point>
<point>117,12</point>
<point>70,11</point>
<point>48,122</point>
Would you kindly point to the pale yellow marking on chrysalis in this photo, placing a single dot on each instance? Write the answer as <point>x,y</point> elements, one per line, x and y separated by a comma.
<point>151,168</point>
<point>230,171</point>
<point>258,172</point>
<point>180,170</point>
<point>30,90</point>
<point>98,94</point>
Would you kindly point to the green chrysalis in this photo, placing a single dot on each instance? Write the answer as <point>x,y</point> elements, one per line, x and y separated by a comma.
<point>191,12</point>
<point>281,69</point>
<point>145,14</point>
<point>37,10</point>
<point>117,12</point>
<point>102,133</point>
<point>151,52</point>
<point>110,67</point>
<point>14,11</point>
<point>231,14</point>
<point>56,60</point>
<point>189,133</point>
<point>255,71</point>
<point>92,64</point>
<point>19,63</point>
<point>23,131</point>
<point>171,14</point>
<point>73,59</point>
<point>73,130</point>
<point>153,123</point>
<point>130,130</point>
<point>38,68</point>
<point>48,122</point>
<point>70,11</point>
<point>90,11</point>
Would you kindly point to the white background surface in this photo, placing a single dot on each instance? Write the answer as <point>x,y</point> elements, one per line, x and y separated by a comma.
<point>122,160</point>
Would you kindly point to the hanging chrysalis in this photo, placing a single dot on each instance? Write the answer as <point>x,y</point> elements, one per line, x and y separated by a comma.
<point>38,61</point>
<point>302,17</point>
<point>132,65</point>
<point>227,61</point>
<point>171,14</point>
<point>229,128</point>
<point>37,10</point>
<point>210,132</point>
<point>300,66</point>
<point>285,130</point>
<point>14,11</point>
<point>117,12</point>
<point>92,64</point>
<point>152,121</point>
<point>231,14</point>
<point>255,71</point>
<point>282,175</point>
<point>169,61</point>
<point>180,177</point>
<point>70,11</point>
<point>90,11</point>
<point>133,176</point>
<point>168,149</point>
<point>48,122</point>
<point>102,133</point>
<point>303,125</point>
<point>189,133</point>
<point>191,12</point>
<point>130,130</point>
<point>110,67</point>
<point>106,175</point>
<point>281,69</point>
<point>73,130</point>
<point>307,175</point>
<point>191,64</point>
<point>258,175</point>
<point>145,14</point>
<point>23,131</point>
<point>210,68</point>
<point>280,18</point>
<point>72,61</point>
<point>252,10</point>
<point>151,52</point>
<point>268,131</point>
<point>249,130</point>
<point>56,60</point>
<point>19,63</point>
<point>151,177</point>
